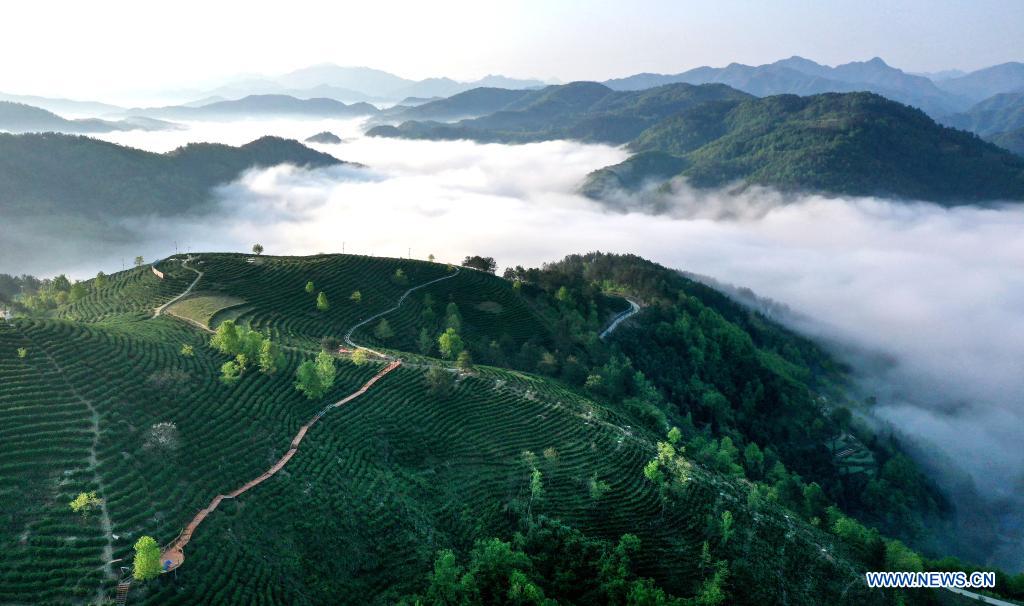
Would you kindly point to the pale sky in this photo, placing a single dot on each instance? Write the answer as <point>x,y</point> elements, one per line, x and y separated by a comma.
<point>106,48</point>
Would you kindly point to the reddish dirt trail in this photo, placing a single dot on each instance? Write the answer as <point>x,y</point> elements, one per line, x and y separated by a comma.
<point>174,554</point>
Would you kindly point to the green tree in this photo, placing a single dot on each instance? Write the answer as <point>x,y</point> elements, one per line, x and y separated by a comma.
<point>464,361</point>
<point>230,372</point>
<point>450,344</point>
<point>22,353</point>
<point>257,249</point>
<point>439,381</point>
<point>226,339</point>
<point>431,257</point>
<point>100,281</point>
<point>307,380</point>
<point>187,350</point>
<point>321,302</point>
<point>726,526</point>
<point>674,435</point>
<point>425,343</point>
<point>753,461</point>
<point>85,502</point>
<point>147,559</point>
<point>452,317</point>
<point>356,297</point>
<point>325,369</point>
<point>309,287</point>
<point>270,358</point>
<point>78,292</point>
<point>399,277</point>
<point>383,330</point>
<point>139,261</point>
<point>360,357</point>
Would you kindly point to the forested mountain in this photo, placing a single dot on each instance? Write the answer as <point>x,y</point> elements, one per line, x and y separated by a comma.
<point>1012,140</point>
<point>64,175</point>
<point>469,104</point>
<point>800,76</point>
<point>263,105</point>
<point>699,455</point>
<point>20,118</point>
<point>984,83</point>
<point>997,114</point>
<point>855,144</point>
<point>585,111</point>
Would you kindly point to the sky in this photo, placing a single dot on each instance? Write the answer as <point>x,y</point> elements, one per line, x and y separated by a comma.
<point>108,49</point>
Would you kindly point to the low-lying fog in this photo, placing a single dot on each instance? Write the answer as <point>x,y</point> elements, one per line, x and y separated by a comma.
<point>941,291</point>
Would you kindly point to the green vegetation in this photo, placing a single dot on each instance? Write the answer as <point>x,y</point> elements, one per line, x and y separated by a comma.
<point>201,307</point>
<point>146,564</point>
<point>519,477</point>
<point>85,502</point>
<point>853,143</point>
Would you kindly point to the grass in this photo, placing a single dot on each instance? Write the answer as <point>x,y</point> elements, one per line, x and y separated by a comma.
<point>201,307</point>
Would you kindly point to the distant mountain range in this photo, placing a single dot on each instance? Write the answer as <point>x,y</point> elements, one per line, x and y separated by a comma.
<point>584,111</point>
<point>20,118</point>
<point>262,105</point>
<point>63,106</point>
<point>800,76</point>
<point>63,175</point>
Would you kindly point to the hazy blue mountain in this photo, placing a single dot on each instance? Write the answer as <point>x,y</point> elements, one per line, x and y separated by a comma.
<point>997,114</point>
<point>800,76</point>
<point>368,81</point>
<point>468,104</point>
<point>52,174</point>
<point>21,118</point>
<point>988,82</point>
<point>63,106</point>
<point>264,105</point>
<point>852,143</point>
<point>585,111</point>
<point>414,101</point>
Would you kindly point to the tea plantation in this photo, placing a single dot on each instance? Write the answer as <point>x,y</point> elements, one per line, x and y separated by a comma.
<point>102,396</point>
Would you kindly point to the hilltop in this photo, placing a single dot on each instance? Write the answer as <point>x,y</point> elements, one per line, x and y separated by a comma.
<point>849,144</point>
<point>262,105</point>
<point>44,174</point>
<point>545,460</point>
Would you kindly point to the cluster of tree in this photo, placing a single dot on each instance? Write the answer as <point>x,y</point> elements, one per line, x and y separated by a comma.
<point>315,377</point>
<point>747,394</point>
<point>247,347</point>
<point>550,563</point>
<point>487,264</point>
<point>28,294</point>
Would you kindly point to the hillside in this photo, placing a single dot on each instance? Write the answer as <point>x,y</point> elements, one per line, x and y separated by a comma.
<point>262,105</point>
<point>1001,113</point>
<point>76,176</point>
<point>1012,140</point>
<point>19,118</point>
<point>585,111</point>
<point>850,144</point>
<point>544,455</point>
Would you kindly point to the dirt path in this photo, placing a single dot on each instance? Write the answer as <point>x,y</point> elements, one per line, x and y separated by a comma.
<point>174,554</point>
<point>94,427</point>
<point>159,310</point>
<point>634,307</point>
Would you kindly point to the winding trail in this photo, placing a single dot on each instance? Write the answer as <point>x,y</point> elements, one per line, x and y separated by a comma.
<point>173,554</point>
<point>634,307</point>
<point>405,295</point>
<point>160,310</point>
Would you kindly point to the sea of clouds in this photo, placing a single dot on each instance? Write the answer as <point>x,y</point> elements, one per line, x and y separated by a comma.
<point>938,291</point>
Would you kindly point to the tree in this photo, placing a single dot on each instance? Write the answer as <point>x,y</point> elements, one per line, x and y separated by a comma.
<point>78,292</point>
<point>100,281</point>
<point>425,343</point>
<point>147,559</point>
<point>674,435</point>
<point>726,526</point>
<point>22,353</point>
<point>321,302</point>
<point>331,344</point>
<point>226,339</point>
<point>270,358</point>
<point>230,371</point>
<point>308,381</point>
<point>309,287</point>
<point>85,502</point>
<point>439,381</point>
<point>431,257</point>
<point>400,278</point>
<point>360,357</point>
<point>452,317</point>
<point>325,369</point>
<point>257,249</point>
<point>356,297</point>
<point>450,344</point>
<point>383,330</point>
<point>139,261</point>
<point>187,350</point>
<point>464,361</point>
<point>487,264</point>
